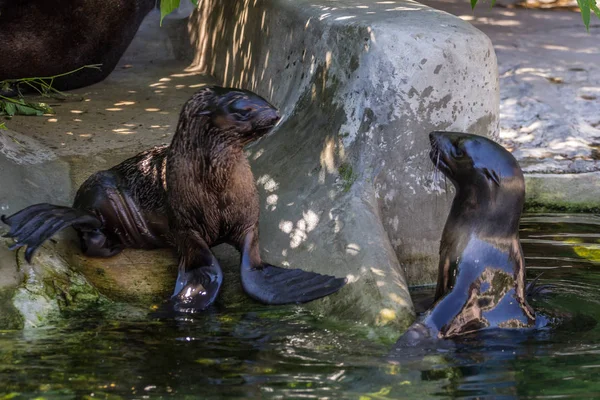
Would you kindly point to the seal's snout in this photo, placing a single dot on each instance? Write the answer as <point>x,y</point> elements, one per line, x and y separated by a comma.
<point>433,138</point>
<point>275,116</point>
<point>269,117</point>
<point>439,140</point>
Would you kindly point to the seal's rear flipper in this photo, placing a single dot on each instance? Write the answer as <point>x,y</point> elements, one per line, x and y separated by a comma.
<point>533,289</point>
<point>274,285</point>
<point>33,225</point>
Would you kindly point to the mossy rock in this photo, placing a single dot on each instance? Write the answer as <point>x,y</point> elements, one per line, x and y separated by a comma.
<point>136,276</point>
<point>44,289</point>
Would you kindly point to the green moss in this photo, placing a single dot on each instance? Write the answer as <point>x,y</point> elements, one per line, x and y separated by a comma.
<point>10,317</point>
<point>72,292</point>
<point>347,176</point>
<point>417,258</point>
<point>534,206</point>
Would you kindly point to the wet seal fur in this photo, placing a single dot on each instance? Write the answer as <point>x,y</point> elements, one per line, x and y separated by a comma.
<point>481,275</point>
<point>193,194</point>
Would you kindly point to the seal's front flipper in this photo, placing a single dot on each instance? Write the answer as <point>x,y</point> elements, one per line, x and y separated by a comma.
<point>274,285</point>
<point>197,289</point>
<point>33,225</point>
<point>200,276</point>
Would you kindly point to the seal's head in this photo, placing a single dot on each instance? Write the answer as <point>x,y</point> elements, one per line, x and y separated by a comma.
<point>462,157</point>
<point>237,113</point>
<point>488,180</point>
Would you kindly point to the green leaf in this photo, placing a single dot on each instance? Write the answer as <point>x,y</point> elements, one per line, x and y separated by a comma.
<point>10,108</point>
<point>473,4</point>
<point>26,109</point>
<point>194,2</point>
<point>167,7</point>
<point>43,107</point>
<point>595,8</point>
<point>585,6</point>
<point>2,126</point>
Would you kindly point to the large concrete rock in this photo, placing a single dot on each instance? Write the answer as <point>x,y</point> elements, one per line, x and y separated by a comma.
<point>346,183</point>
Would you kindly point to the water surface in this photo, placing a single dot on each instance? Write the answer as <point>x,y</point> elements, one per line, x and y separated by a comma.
<point>284,352</point>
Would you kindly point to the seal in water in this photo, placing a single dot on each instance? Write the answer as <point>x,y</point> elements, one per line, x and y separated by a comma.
<point>481,276</point>
<point>193,194</point>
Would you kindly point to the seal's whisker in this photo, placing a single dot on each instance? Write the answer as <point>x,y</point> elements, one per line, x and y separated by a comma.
<point>437,162</point>
<point>446,185</point>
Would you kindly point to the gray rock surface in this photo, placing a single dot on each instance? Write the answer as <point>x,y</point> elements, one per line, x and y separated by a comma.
<point>31,173</point>
<point>345,181</point>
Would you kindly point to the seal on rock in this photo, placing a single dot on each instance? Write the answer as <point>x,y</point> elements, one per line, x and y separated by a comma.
<point>481,276</point>
<point>193,194</point>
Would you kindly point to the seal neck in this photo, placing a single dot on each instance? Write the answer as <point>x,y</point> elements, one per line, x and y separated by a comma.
<point>207,151</point>
<point>488,210</point>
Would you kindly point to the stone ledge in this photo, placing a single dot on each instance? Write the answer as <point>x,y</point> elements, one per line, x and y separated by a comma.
<point>563,192</point>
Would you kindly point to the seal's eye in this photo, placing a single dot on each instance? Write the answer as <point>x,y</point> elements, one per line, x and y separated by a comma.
<point>243,107</point>
<point>458,153</point>
<point>246,110</point>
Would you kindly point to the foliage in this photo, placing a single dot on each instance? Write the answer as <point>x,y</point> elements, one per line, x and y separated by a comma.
<point>10,107</point>
<point>43,85</point>
<point>168,6</point>
<point>587,6</point>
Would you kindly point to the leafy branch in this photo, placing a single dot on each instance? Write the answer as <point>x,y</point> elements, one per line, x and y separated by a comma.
<point>10,106</point>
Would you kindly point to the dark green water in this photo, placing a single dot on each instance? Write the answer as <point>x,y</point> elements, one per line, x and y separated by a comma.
<point>282,352</point>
